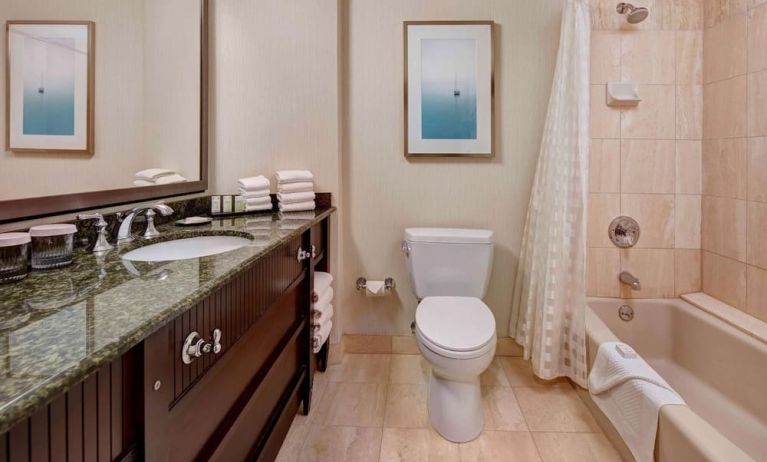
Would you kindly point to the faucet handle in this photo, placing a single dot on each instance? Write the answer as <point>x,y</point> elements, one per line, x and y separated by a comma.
<point>102,243</point>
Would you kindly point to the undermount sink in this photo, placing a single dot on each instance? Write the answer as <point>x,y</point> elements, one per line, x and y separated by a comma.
<point>182,249</point>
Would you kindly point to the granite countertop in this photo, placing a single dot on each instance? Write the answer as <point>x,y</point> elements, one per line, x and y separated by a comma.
<point>58,326</point>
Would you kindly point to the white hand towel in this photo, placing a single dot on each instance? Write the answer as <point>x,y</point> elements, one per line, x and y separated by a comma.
<point>297,206</point>
<point>258,208</point>
<point>630,393</point>
<point>322,281</point>
<point>293,198</point>
<point>152,174</point>
<point>320,336</point>
<point>321,317</point>
<point>170,179</point>
<point>254,183</point>
<point>293,176</point>
<point>249,194</point>
<point>304,186</point>
<point>324,299</point>
<point>256,201</point>
<point>143,183</point>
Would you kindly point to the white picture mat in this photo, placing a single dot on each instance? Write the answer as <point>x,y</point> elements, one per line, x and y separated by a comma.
<point>482,33</point>
<point>18,34</point>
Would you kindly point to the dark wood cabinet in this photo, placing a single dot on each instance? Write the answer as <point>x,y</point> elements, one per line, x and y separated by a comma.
<point>233,404</point>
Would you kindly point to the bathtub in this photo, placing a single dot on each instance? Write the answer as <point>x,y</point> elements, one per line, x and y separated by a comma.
<point>719,370</point>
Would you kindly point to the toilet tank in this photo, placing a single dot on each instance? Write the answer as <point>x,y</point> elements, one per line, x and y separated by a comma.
<point>449,262</point>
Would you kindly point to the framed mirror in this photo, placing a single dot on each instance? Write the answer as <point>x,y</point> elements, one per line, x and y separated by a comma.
<point>104,102</point>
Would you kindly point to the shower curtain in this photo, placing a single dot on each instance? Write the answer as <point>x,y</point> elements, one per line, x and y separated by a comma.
<point>548,305</point>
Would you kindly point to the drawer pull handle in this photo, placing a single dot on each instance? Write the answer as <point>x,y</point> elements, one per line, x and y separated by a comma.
<point>195,346</point>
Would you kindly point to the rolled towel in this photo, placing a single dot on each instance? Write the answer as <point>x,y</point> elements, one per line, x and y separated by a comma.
<point>304,186</point>
<point>322,316</point>
<point>254,194</point>
<point>297,206</point>
<point>170,179</point>
<point>293,198</point>
<point>254,183</point>
<point>322,281</point>
<point>258,208</point>
<point>256,201</point>
<point>324,299</point>
<point>293,176</point>
<point>152,174</point>
<point>143,183</point>
<point>320,336</point>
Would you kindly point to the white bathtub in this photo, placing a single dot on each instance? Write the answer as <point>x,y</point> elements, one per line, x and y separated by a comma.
<point>719,370</point>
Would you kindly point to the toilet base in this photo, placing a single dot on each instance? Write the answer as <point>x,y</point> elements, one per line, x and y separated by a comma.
<point>455,408</point>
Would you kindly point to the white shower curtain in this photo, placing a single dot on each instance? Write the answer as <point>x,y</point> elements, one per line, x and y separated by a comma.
<point>548,306</point>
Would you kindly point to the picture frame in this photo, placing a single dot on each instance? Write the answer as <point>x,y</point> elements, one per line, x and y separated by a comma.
<point>449,89</point>
<point>49,95</point>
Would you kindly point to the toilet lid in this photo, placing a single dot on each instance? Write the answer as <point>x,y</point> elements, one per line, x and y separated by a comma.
<point>455,323</point>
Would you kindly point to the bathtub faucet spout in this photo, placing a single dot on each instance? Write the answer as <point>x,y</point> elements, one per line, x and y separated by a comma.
<point>630,280</point>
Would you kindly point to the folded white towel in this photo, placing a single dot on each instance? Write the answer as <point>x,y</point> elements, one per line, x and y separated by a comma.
<point>143,183</point>
<point>293,176</point>
<point>297,206</point>
<point>152,174</point>
<point>630,393</point>
<point>294,198</point>
<point>324,299</point>
<point>320,336</point>
<point>322,281</point>
<point>170,179</point>
<point>320,317</point>
<point>249,194</point>
<point>258,208</point>
<point>254,183</point>
<point>256,201</point>
<point>304,186</point>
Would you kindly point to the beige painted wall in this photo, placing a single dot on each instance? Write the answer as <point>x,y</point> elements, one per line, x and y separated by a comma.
<point>646,161</point>
<point>384,193</point>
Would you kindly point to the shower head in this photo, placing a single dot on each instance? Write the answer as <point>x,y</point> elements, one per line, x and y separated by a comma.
<point>634,14</point>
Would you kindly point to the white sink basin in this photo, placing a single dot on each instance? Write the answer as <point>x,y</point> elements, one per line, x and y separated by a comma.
<point>182,249</point>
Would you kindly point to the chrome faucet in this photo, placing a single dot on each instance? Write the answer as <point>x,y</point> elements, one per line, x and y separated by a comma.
<point>124,233</point>
<point>630,280</point>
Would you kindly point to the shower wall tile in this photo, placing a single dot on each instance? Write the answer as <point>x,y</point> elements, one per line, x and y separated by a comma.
<point>725,167</point>
<point>605,57</point>
<point>602,268</point>
<point>648,57</point>
<point>757,103</point>
<point>687,268</point>
<point>681,14</point>
<point>605,121</point>
<point>654,267</point>
<point>724,49</point>
<point>687,217</point>
<point>689,167</point>
<point>723,229</point>
<point>757,169</point>
<point>757,38</point>
<point>725,108</point>
<point>756,298</point>
<point>757,226</point>
<point>602,209</point>
<point>655,213</point>
<point>725,279</point>
<point>604,166</point>
<point>689,112</point>
<point>689,57</point>
<point>647,166</point>
<point>654,118</point>
<point>716,11</point>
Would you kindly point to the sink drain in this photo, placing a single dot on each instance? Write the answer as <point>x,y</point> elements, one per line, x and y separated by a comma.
<point>626,313</point>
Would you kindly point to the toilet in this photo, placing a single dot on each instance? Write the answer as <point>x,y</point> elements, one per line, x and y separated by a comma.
<point>449,271</point>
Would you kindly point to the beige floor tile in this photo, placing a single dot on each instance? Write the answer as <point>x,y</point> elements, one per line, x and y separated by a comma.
<point>507,346</point>
<point>368,368</point>
<point>404,345</point>
<point>501,410</point>
<point>494,375</point>
<point>554,409</point>
<point>519,372</point>
<point>352,404</point>
<point>335,444</point>
<point>416,445</point>
<point>367,343</point>
<point>406,406</point>
<point>294,441</point>
<point>409,369</point>
<point>575,447</point>
<point>493,446</point>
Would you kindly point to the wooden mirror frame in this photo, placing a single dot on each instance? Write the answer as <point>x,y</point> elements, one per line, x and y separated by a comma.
<point>35,207</point>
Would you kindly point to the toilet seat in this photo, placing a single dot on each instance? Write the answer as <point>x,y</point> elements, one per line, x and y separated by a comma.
<point>455,327</point>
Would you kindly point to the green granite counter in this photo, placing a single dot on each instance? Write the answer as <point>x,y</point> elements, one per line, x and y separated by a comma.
<point>58,326</point>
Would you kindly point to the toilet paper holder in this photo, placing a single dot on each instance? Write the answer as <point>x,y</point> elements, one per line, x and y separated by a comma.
<point>389,285</point>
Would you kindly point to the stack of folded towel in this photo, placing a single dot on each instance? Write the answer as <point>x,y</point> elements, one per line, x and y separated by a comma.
<point>255,190</point>
<point>295,190</point>
<point>156,176</point>
<point>322,309</point>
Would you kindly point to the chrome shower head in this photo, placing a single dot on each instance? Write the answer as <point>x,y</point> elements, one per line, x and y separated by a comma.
<point>634,14</point>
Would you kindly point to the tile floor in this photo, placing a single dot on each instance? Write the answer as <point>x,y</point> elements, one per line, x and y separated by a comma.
<point>372,407</point>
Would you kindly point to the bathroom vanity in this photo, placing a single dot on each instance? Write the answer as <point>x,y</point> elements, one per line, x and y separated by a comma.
<point>196,359</point>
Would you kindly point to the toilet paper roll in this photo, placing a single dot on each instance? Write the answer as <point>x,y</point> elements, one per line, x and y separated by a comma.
<point>375,288</point>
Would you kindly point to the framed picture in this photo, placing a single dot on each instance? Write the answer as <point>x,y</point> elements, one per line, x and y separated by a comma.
<point>448,88</point>
<point>49,86</point>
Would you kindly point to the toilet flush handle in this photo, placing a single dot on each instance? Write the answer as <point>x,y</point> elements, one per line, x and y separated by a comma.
<point>406,248</point>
